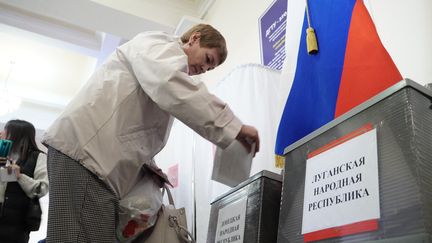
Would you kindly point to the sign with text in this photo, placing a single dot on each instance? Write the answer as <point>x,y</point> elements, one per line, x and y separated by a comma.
<point>231,223</point>
<point>341,187</point>
<point>272,25</point>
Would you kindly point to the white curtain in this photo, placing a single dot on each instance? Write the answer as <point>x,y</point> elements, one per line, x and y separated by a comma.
<point>254,94</point>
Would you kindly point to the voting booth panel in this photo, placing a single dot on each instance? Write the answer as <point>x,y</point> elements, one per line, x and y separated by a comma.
<point>399,122</point>
<point>247,213</point>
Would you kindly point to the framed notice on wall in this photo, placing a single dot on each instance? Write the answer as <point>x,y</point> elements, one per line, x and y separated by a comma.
<point>341,195</point>
<point>272,26</point>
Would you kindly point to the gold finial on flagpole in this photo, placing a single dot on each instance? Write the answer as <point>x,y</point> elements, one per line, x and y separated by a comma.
<point>311,39</point>
<point>279,161</point>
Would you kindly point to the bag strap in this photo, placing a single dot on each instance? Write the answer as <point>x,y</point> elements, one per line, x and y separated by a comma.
<point>178,228</point>
<point>174,222</point>
<point>170,197</point>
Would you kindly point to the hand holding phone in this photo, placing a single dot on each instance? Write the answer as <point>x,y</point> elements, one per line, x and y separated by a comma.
<point>7,174</point>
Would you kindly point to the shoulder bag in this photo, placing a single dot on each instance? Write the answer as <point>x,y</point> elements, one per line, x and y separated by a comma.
<point>171,226</point>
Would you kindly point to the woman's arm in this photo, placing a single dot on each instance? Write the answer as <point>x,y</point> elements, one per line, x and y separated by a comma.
<point>37,186</point>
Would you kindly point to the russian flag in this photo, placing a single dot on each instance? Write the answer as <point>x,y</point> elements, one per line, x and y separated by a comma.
<point>351,66</point>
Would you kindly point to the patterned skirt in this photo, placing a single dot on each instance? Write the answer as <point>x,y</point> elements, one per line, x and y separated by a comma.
<point>82,208</point>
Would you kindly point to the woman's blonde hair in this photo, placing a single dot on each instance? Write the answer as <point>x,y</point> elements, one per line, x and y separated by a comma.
<point>209,38</point>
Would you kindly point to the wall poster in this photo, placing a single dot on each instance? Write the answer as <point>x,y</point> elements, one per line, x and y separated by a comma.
<point>272,26</point>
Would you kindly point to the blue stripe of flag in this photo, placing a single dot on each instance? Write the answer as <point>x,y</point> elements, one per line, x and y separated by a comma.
<point>312,99</point>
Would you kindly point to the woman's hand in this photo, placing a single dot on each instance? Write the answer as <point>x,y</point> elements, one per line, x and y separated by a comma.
<point>14,168</point>
<point>248,136</point>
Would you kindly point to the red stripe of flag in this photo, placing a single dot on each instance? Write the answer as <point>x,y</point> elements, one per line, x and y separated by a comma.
<point>368,68</point>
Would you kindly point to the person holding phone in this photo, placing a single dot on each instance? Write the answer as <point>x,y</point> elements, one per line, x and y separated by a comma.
<point>28,166</point>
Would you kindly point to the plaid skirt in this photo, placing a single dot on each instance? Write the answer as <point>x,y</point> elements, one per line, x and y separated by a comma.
<point>82,208</point>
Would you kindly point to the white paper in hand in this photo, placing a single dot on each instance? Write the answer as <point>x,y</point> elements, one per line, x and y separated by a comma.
<point>232,165</point>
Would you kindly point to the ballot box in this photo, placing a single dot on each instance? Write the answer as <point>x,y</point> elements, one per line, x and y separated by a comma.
<point>364,177</point>
<point>248,212</point>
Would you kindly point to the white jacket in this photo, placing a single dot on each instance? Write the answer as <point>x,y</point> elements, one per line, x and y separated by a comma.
<point>123,116</point>
<point>32,187</point>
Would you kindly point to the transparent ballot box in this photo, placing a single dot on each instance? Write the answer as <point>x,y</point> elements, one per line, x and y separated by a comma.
<point>364,177</point>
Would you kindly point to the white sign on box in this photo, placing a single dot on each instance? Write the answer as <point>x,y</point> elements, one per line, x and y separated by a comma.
<point>341,185</point>
<point>232,165</point>
<point>231,222</point>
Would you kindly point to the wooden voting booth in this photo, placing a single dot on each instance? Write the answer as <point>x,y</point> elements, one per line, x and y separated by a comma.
<point>364,177</point>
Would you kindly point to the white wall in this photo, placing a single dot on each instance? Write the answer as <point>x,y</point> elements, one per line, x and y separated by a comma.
<point>44,74</point>
<point>405,28</point>
<point>237,20</point>
<point>152,9</point>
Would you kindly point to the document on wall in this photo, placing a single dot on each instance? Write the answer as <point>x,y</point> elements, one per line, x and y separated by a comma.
<point>232,165</point>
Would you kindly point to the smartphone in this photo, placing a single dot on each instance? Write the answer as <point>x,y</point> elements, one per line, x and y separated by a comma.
<point>5,147</point>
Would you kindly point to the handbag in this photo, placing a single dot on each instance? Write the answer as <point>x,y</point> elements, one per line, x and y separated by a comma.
<point>34,214</point>
<point>171,226</point>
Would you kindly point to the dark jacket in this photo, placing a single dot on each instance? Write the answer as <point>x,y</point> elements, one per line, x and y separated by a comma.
<point>14,207</point>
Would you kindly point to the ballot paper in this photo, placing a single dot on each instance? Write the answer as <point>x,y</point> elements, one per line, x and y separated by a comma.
<point>232,165</point>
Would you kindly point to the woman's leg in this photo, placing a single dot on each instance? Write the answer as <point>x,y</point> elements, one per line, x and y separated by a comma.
<point>81,207</point>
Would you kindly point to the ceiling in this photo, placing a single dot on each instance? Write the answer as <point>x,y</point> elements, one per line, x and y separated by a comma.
<point>50,47</point>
